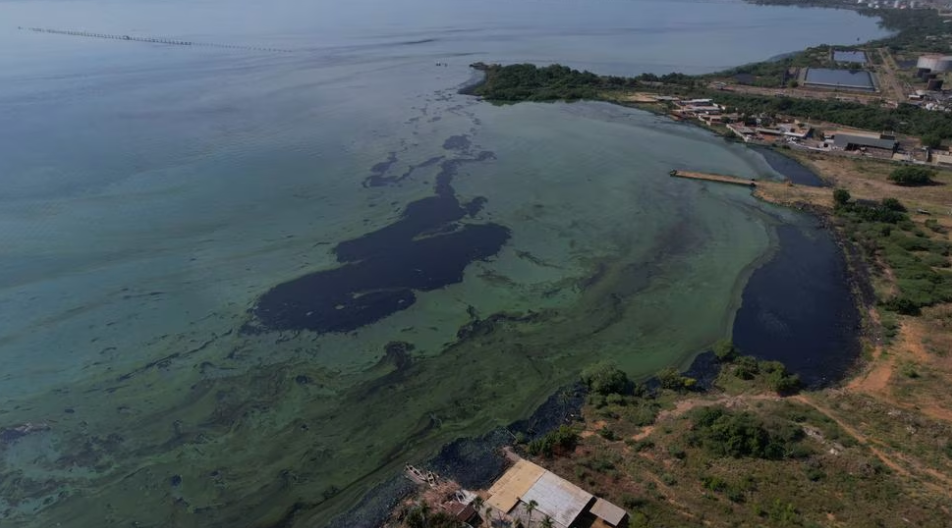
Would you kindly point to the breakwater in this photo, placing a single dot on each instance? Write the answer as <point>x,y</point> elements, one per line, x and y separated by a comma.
<point>152,40</point>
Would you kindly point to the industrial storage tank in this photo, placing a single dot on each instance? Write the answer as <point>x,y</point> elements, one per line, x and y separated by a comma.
<point>936,63</point>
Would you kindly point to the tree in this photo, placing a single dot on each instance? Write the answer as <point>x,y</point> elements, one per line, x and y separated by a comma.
<point>562,440</point>
<point>529,509</point>
<point>931,140</point>
<point>477,504</point>
<point>912,176</point>
<point>894,205</point>
<point>605,378</point>
<point>724,350</point>
<point>547,522</point>
<point>671,379</point>
<point>841,197</point>
<point>423,511</point>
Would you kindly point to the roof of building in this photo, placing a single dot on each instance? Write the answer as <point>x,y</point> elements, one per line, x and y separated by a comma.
<point>845,140</point>
<point>942,158</point>
<point>843,78</point>
<point>558,498</point>
<point>608,512</point>
<point>463,512</point>
<point>745,78</point>
<point>505,492</point>
<point>849,56</point>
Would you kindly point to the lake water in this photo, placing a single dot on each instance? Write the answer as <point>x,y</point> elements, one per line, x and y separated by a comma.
<point>153,195</point>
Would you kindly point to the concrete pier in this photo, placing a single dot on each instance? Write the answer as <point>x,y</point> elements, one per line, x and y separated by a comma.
<point>719,178</point>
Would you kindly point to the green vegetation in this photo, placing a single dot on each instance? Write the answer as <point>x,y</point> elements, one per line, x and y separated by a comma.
<point>739,461</point>
<point>906,119</point>
<point>527,82</point>
<point>841,197</point>
<point>931,140</point>
<point>556,443</point>
<point>763,375</point>
<point>886,234</point>
<point>422,516</point>
<point>724,433</point>
<point>671,379</point>
<point>912,176</point>
<point>606,378</point>
<point>725,350</point>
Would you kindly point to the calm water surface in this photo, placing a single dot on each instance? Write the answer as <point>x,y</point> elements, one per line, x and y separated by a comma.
<point>152,195</point>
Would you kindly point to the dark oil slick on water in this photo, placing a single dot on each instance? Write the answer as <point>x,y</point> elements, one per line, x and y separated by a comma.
<point>798,308</point>
<point>426,249</point>
<point>217,176</point>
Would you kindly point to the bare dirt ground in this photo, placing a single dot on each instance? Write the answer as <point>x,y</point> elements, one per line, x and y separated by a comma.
<point>867,178</point>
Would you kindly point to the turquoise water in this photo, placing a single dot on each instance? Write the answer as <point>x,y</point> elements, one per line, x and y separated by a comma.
<point>152,194</point>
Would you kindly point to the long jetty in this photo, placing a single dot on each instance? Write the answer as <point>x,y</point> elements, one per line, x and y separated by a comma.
<point>152,40</point>
<point>719,178</point>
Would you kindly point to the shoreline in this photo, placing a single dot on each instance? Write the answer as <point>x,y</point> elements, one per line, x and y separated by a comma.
<point>457,459</point>
<point>378,503</point>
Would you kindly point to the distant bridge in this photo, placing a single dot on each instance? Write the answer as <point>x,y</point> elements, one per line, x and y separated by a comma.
<point>152,40</point>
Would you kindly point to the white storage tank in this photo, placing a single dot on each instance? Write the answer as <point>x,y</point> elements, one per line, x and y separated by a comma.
<point>936,63</point>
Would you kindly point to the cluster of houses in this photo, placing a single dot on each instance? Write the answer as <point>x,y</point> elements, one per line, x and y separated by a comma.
<point>891,4</point>
<point>767,130</point>
<point>755,129</point>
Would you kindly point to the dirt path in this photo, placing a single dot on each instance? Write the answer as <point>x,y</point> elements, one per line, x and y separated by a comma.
<point>876,380</point>
<point>859,437</point>
<point>890,460</point>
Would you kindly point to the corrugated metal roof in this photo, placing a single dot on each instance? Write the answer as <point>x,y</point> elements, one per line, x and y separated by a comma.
<point>844,140</point>
<point>514,483</point>
<point>558,498</point>
<point>608,512</point>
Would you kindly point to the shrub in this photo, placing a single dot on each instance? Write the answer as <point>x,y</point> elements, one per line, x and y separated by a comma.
<point>677,451</point>
<point>715,484</point>
<point>902,305</point>
<point>782,382</point>
<point>894,205</point>
<point>912,176</point>
<point>841,197</point>
<point>642,414</point>
<point>934,226</point>
<point>605,378</point>
<point>671,379</point>
<point>931,140</point>
<point>724,350</point>
<point>746,367</point>
<point>630,502</point>
<point>728,434</point>
<point>642,445</point>
<point>909,370</point>
<point>607,434</point>
<point>562,440</point>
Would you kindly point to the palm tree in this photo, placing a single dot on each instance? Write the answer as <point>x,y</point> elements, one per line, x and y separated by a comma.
<point>477,504</point>
<point>547,522</point>
<point>529,509</point>
<point>424,511</point>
